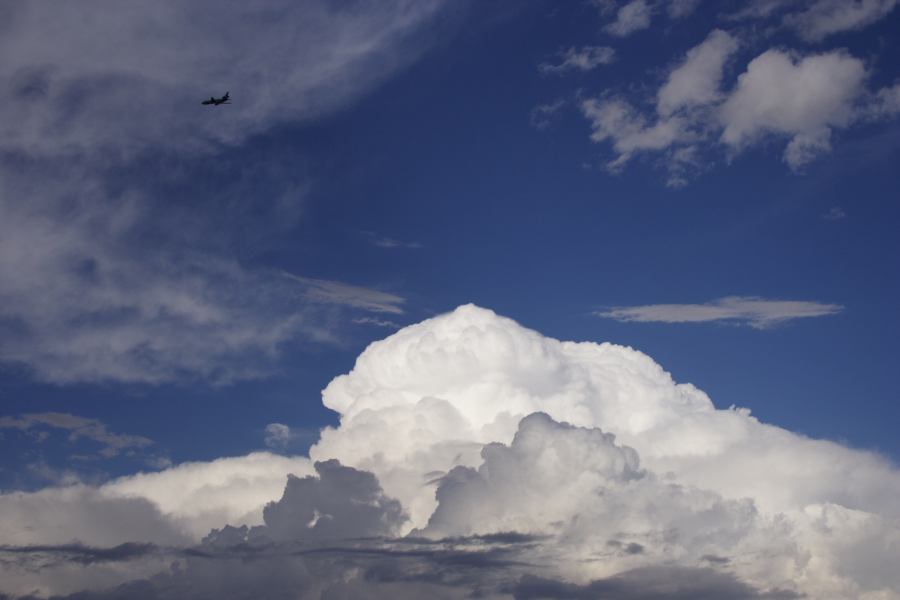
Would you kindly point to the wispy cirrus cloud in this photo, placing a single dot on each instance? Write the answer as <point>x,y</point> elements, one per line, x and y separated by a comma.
<point>105,275</point>
<point>586,58</point>
<point>753,311</point>
<point>382,241</point>
<point>354,296</point>
<point>78,428</point>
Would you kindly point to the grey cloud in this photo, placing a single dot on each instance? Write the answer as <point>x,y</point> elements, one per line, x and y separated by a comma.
<point>79,427</point>
<point>335,292</point>
<point>649,583</point>
<point>633,16</point>
<point>805,100</point>
<point>542,115</point>
<point>126,76</point>
<point>105,274</point>
<point>824,18</point>
<point>341,502</point>
<point>758,313</point>
<point>381,241</point>
<point>586,58</point>
<point>835,213</point>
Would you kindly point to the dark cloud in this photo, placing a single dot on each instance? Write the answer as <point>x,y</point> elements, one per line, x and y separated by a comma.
<point>649,583</point>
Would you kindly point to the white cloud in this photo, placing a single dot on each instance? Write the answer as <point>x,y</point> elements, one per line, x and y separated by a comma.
<point>682,106</point>
<point>827,17</point>
<point>756,312</point>
<point>628,479</point>
<point>585,59</point>
<point>780,94</point>
<point>633,16</point>
<point>803,98</point>
<point>628,130</point>
<point>697,80</point>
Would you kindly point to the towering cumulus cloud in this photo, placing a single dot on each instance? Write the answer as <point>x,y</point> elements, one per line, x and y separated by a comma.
<point>474,455</point>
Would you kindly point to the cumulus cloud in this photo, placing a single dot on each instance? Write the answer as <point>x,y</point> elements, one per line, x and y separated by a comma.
<point>691,86</point>
<point>696,81</point>
<point>756,312</point>
<point>107,273</point>
<point>802,98</point>
<point>475,456</point>
<point>631,17</point>
<point>586,58</point>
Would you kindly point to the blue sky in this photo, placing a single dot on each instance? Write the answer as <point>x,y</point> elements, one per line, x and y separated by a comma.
<point>190,275</point>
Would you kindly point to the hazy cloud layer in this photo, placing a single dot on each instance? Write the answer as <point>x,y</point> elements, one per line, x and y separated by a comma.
<point>747,310</point>
<point>103,279</point>
<point>510,465</point>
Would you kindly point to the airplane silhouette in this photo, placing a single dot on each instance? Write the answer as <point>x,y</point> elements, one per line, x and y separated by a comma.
<point>217,101</point>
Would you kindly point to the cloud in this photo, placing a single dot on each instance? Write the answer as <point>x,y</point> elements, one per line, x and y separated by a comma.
<point>835,213</point>
<point>79,427</point>
<point>628,130</point>
<point>542,115</point>
<point>696,81</point>
<point>780,95</point>
<point>132,76</point>
<point>474,456</point>
<point>121,258</point>
<point>678,9</point>
<point>631,17</point>
<point>758,313</point>
<point>824,18</point>
<point>376,322</point>
<point>338,503</point>
<point>585,59</point>
<point>385,242</point>
<point>681,105</point>
<point>278,435</point>
<point>334,292</point>
<point>802,98</point>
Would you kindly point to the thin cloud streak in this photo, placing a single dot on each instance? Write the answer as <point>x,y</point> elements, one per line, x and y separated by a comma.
<point>79,427</point>
<point>756,312</point>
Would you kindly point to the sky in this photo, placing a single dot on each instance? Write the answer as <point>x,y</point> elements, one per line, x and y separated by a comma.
<point>516,300</point>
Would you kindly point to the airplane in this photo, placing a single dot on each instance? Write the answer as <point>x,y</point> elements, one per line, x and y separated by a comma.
<point>217,101</point>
